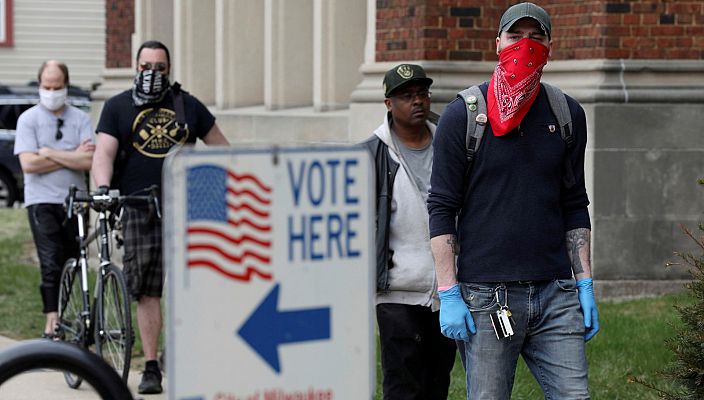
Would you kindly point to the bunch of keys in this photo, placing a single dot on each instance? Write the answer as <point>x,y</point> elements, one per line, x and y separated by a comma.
<point>502,319</point>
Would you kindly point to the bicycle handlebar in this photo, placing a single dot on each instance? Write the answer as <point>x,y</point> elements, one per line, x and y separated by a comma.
<point>100,201</point>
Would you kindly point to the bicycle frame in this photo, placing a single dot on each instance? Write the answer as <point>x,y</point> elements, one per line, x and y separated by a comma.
<point>102,234</point>
<point>83,264</point>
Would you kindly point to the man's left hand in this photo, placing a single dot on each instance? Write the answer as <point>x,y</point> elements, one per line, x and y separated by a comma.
<point>86,146</point>
<point>591,313</point>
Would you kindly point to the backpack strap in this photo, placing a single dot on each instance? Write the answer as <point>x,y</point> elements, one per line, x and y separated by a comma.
<point>433,117</point>
<point>561,110</point>
<point>179,109</point>
<point>476,121</point>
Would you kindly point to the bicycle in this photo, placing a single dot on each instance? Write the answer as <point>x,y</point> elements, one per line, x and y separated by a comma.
<point>107,322</point>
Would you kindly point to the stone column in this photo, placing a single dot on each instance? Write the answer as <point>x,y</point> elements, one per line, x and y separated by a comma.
<point>193,56</point>
<point>338,49</point>
<point>288,53</point>
<point>239,53</point>
<point>153,20</point>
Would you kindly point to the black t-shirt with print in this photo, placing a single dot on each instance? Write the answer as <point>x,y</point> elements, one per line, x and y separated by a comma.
<point>147,148</point>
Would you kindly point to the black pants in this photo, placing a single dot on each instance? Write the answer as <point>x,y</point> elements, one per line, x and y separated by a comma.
<point>55,239</point>
<point>416,358</point>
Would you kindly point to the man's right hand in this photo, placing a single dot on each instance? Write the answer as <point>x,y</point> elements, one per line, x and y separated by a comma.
<point>455,319</point>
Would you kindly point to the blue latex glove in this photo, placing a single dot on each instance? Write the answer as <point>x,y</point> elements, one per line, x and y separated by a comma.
<point>455,318</point>
<point>591,314</point>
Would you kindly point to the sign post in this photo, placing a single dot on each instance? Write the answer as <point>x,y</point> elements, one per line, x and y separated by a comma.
<point>269,253</point>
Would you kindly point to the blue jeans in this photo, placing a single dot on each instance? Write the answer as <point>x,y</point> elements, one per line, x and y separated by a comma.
<point>548,334</point>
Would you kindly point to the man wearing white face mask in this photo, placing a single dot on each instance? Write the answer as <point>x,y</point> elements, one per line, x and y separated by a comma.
<point>54,145</point>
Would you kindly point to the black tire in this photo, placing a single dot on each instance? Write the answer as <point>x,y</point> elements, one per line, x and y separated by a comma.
<point>113,333</point>
<point>36,354</point>
<point>8,190</point>
<point>71,328</point>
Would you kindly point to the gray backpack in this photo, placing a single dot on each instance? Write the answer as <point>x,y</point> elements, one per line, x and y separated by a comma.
<point>477,118</point>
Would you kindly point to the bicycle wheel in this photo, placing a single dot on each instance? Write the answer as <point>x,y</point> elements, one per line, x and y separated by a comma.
<point>113,334</point>
<point>71,327</point>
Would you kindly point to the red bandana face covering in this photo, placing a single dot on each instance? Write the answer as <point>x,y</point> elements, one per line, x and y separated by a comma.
<point>515,84</point>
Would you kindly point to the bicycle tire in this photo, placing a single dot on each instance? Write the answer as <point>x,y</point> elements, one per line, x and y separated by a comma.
<point>113,328</point>
<point>71,329</point>
<point>42,354</point>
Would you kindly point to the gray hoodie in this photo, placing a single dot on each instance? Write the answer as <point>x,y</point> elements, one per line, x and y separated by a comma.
<point>412,279</point>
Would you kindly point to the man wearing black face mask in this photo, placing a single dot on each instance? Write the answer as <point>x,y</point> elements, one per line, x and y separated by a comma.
<point>137,128</point>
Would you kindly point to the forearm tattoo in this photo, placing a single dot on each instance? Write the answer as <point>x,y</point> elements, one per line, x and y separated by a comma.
<point>577,239</point>
<point>452,241</point>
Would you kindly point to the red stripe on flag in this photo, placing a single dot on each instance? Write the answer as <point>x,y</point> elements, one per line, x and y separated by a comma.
<point>246,276</point>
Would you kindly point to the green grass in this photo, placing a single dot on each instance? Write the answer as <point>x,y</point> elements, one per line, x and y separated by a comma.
<point>631,341</point>
<point>20,302</point>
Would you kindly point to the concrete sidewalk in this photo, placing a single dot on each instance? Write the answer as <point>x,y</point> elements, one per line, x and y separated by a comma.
<point>49,384</point>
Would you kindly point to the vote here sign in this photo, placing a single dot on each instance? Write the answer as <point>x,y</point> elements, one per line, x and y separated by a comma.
<point>269,253</point>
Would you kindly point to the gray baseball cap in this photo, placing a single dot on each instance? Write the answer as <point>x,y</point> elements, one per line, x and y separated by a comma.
<point>523,10</point>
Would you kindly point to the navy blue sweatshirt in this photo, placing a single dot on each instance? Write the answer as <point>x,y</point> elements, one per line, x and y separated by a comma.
<point>516,210</point>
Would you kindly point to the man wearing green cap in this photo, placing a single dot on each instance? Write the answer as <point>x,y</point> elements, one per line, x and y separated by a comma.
<point>416,358</point>
<point>518,223</point>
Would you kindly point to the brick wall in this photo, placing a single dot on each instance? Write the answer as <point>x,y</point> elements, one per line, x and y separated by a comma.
<point>464,30</point>
<point>633,29</point>
<point>456,30</point>
<point>119,21</point>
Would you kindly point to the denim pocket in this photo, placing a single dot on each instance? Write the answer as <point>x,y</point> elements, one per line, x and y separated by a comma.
<point>479,297</point>
<point>566,285</point>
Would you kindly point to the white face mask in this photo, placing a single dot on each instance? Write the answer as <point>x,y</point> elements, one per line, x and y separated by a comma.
<point>53,99</point>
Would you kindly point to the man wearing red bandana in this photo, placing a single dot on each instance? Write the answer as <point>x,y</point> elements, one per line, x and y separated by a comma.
<point>509,236</point>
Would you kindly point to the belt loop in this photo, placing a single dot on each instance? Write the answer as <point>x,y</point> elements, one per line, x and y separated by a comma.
<point>501,287</point>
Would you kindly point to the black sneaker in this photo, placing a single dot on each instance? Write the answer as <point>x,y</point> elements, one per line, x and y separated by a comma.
<point>151,382</point>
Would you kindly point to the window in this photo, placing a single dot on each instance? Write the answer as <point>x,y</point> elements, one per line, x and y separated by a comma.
<point>6,23</point>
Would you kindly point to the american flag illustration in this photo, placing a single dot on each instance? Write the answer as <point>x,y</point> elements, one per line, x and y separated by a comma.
<point>228,223</point>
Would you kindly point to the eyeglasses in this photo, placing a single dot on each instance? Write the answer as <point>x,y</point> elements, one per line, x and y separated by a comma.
<point>159,66</point>
<point>409,96</point>
<point>59,124</point>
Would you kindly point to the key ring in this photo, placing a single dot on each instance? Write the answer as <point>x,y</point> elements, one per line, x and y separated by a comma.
<point>498,300</point>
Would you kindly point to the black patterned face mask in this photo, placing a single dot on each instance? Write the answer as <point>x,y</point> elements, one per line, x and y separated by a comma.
<point>150,86</point>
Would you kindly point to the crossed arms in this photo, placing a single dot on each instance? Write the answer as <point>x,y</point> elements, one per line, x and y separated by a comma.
<point>48,160</point>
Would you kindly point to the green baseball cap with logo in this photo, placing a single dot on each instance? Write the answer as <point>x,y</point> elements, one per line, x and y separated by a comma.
<point>403,74</point>
<point>523,10</point>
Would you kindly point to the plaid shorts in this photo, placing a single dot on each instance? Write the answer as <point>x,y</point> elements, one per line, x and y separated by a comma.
<point>142,259</point>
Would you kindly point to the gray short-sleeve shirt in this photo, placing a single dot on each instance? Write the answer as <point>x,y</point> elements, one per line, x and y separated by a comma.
<point>36,128</point>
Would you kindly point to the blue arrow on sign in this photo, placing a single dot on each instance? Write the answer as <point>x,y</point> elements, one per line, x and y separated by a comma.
<point>267,327</point>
